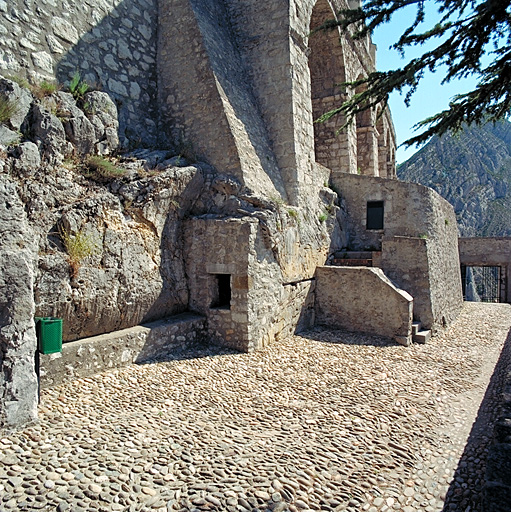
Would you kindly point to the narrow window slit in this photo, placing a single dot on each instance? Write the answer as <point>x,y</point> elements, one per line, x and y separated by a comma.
<point>222,297</point>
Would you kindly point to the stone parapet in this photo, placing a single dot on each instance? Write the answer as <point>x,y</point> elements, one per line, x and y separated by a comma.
<point>140,344</point>
<point>363,299</point>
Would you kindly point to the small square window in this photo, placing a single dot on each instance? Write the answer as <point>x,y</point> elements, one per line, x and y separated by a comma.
<point>375,215</point>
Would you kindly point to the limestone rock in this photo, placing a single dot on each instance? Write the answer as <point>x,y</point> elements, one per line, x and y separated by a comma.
<point>48,131</point>
<point>8,137</point>
<point>103,116</point>
<point>19,97</point>
<point>27,157</point>
<point>18,382</point>
<point>79,130</point>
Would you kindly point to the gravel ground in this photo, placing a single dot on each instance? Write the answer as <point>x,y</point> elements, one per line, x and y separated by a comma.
<point>326,421</point>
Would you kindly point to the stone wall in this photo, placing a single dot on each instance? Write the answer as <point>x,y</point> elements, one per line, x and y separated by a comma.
<point>497,481</point>
<point>260,307</point>
<point>111,43</point>
<point>419,242</point>
<point>266,262</point>
<point>248,92</point>
<point>157,341</point>
<point>209,104</point>
<point>363,299</point>
<point>489,252</point>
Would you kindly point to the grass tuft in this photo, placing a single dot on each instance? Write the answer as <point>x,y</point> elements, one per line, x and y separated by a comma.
<point>44,89</point>
<point>22,82</point>
<point>7,109</point>
<point>99,168</point>
<point>78,247</point>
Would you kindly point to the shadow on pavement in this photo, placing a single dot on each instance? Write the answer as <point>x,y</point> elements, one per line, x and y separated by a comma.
<point>465,493</point>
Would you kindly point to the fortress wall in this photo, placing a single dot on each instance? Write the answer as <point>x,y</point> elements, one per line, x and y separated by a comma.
<point>209,104</point>
<point>112,43</point>
<point>489,252</point>
<point>419,242</point>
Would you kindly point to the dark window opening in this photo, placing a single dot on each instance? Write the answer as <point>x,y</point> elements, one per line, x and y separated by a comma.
<point>481,284</point>
<point>375,215</point>
<point>222,298</point>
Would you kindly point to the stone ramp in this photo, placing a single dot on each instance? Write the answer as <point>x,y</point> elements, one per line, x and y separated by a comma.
<point>363,299</point>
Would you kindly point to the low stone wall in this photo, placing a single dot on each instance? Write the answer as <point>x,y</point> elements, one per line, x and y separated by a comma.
<point>143,343</point>
<point>363,299</point>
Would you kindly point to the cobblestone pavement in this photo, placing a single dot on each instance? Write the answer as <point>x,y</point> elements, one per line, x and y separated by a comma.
<point>325,421</point>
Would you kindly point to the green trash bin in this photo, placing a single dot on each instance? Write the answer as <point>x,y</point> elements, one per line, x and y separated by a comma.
<point>49,334</point>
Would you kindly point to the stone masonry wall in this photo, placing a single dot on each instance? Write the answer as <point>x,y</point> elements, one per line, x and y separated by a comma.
<point>480,252</point>
<point>209,104</point>
<point>411,211</point>
<point>111,43</point>
<point>268,260</point>
<point>363,299</point>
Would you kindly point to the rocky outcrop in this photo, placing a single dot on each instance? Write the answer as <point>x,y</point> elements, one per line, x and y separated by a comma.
<point>18,381</point>
<point>59,124</point>
<point>472,170</point>
<point>109,235</point>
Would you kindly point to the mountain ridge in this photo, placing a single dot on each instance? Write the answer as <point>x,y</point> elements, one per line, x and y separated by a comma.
<point>471,170</point>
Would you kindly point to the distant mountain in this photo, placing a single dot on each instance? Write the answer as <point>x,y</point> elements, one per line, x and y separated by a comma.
<point>472,170</point>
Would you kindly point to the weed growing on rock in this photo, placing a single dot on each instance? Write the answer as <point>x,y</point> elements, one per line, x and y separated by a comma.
<point>323,217</point>
<point>22,82</point>
<point>99,168</point>
<point>278,201</point>
<point>186,150</point>
<point>7,109</point>
<point>78,87</point>
<point>78,247</point>
<point>44,89</point>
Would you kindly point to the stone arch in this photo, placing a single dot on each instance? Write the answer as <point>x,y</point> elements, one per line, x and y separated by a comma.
<point>327,69</point>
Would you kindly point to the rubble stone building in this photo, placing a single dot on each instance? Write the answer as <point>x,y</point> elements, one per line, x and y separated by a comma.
<point>238,83</point>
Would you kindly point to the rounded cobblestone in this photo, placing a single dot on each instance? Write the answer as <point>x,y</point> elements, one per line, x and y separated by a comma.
<point>327,420</point>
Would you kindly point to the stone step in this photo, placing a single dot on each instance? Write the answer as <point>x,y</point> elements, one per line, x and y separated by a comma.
<point>422,337</point>
<point>416,327</point>
<point>353,255</point>
<point>352,262</point>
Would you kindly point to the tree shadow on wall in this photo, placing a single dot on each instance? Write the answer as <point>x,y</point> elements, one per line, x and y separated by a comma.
<point>118,56</point>
<point>466,491</point>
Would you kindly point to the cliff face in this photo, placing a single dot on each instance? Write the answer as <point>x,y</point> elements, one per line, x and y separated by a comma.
<point>472,170</point>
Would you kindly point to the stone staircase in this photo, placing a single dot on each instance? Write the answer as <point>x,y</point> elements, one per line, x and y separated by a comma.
<point>418,335</point>
<point>353,259</point>
<point>373,259</point>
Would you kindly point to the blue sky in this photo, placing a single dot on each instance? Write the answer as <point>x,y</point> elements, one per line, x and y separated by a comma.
<point>431,96</point>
